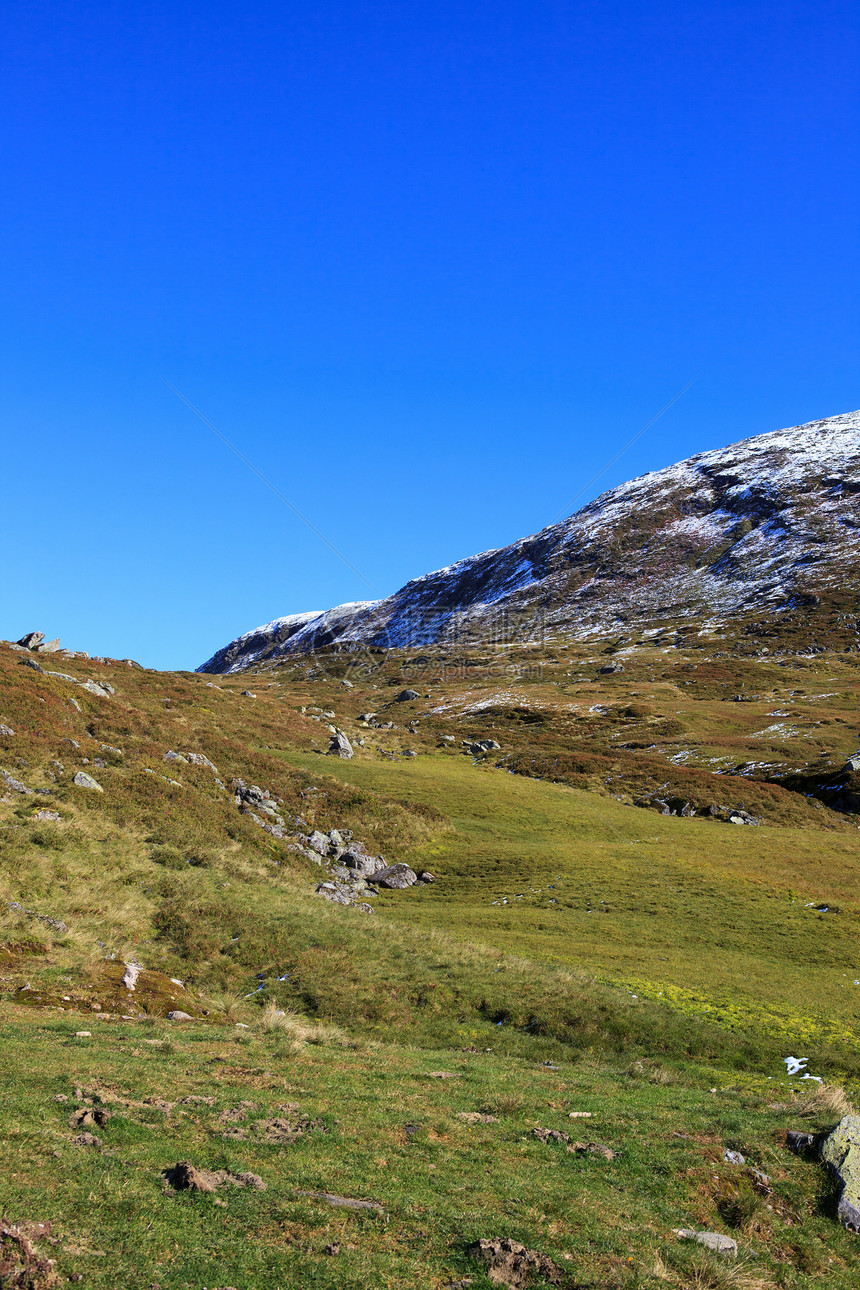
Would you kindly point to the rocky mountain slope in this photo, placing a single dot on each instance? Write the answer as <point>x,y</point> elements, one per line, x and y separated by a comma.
<point>760,527</point>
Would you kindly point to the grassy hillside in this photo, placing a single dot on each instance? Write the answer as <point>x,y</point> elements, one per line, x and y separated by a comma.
<point>577,952</point>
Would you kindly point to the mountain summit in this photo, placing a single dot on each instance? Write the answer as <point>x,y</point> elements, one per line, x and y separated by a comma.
<point>760,526</point>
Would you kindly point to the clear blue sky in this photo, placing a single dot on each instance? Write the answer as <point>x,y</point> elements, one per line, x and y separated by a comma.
<point>429,265</point>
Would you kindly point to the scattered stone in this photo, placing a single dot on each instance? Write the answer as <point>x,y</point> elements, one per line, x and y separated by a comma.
<point>175,756</point>
<point>45,814</point>
<point>840,1151</point>
<point>406,696</point>
<point>21,1266</point>
<point>734,1158</point>
<point>510,1264</point>
<point>15,784</point>
<point>129,977</point>
<point>31,640</point>
<point>83,780</point>
<point>711,1240</point>
<point>198,759</point>
<point>611,668</point>
<point>425,876</point>
<point>7,732</point>
<point>179,1015</point>
<point>343,1202</point>
<point>579,1115</point>
<point>31,662</point>
<point>246,694</point>
<point>477,1117</point>
<point>56,924</point>
<point>319,842</point>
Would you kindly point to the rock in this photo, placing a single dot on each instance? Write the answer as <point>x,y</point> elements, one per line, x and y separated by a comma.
<point>406,696</point>
<point>48,647</point>
<point>510,1264</point>
<point>7,732</point>
<point>32,639</point>
<point>319,842</point>
<point>55,924</point>
<point>426,876</point>
<point>198,759</point>
<point>175,756</point>
<point>340,746</point>
<point>129,977</point>
<point>409,752</point>
<point>347,685</point>
<point>711,1240</point>
<point>101,689</point>
<point>733,1158</point>
<point>334,892</point>
<point>396,875</point>
<point>246,694</point>
<point>840,1151</point>
<point>45,814</point>
<point>853,764</point>
<point>611,668</point>
<point>179,1015</point>
<point>86,1140</point>
<point>477,1117</point>
<point>21,1266</point>
<point>15,784</point>
<point>799,1142</point>
<point>83,780</point>
<point>109,748</point>
<point>366,716</point>
<point>481,746</point>
<point>31,662</point>
<point>448,739</point>
<point>359,863</point>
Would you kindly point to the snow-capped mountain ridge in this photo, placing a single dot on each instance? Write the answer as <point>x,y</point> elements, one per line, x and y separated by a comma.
<point>753,525</point>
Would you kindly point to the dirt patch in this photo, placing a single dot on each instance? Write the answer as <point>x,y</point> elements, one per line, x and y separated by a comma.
<point>184,1176</point>
<point>510,1264</point>
<point>21,1265</point>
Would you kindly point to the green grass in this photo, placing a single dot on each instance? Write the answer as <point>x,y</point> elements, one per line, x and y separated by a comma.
<point>678,965</point>
<point>442,1184</point>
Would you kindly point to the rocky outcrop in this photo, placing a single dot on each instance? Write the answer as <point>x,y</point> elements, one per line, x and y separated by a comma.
<point>840,1151</point>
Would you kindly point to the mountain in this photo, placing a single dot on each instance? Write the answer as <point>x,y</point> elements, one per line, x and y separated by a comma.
<point>762,526</point>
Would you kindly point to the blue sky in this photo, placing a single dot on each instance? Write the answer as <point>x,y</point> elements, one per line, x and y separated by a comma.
<point>429,266</point>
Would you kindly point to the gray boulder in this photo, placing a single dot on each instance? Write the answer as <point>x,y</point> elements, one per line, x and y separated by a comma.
<point>15,784</point>
<point>48,647</point>
<point>31,662</point>
<point>198,759</point>
<point>319,842</point>
<point>175,756</point>
<point>711,1240</point>
<point>406,696</point>
<point>397,876</point>
<point>340,746</point>
<point>31,639</point>
<point>853,764</point>
<point>83,780</point>
<point>359,863</point>
<point>611,668</point>
<point>840,1151</point>
<point>102,689</point>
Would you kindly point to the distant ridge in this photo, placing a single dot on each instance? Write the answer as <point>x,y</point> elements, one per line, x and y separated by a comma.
<point>763,525</point>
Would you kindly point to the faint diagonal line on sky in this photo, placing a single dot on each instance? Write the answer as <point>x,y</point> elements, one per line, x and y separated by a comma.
<point>564,510</point>
<point>268,483</point>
